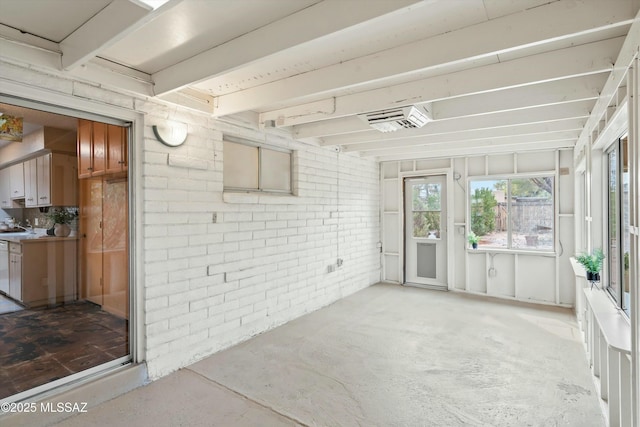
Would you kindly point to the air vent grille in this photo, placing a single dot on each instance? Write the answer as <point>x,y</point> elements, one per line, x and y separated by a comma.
<point>394,119</point>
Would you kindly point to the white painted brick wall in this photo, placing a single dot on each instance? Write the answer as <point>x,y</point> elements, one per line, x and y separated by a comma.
<point>265,261</point>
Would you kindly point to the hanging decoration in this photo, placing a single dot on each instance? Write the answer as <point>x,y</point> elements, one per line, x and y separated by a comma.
<point>10,128</point>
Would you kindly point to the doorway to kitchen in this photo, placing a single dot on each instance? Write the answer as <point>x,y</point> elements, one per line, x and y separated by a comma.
<point>72,290</point>
<point>425,231</point>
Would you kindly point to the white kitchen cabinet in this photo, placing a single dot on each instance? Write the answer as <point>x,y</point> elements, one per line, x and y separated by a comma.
<point>4,266</point>
<point>16,175</point>
<point>30,183</point>
<point>5,189</point>
<point>51,180</point>
<point>15,276</point>
<point>43,174</point>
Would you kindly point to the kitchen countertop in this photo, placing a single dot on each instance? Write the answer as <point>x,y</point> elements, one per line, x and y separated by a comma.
<point>33,238</point>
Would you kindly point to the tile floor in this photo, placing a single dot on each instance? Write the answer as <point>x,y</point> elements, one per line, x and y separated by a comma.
<point>7,305</point>
<point>42,345</point>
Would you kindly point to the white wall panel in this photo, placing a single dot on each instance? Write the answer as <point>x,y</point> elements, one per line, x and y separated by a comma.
<point>567,289</point>
<point>391,233</point>
<point>459,264</point>
<point>432,164</point>
<point>536,161</point>
<point>503,283</point>
<point>390,195</point>
<point>406,166</point>
<point>535,278</point>
<point>477,272</point>
<point>476,165</point>
<point>390,170</point>
<point>501,164</point>
<point>391,263</point>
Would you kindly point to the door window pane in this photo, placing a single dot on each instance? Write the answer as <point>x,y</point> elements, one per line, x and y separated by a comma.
<point>426,205</point>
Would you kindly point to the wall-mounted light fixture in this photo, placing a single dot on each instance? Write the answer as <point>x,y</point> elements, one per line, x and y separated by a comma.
<point>171,133</point>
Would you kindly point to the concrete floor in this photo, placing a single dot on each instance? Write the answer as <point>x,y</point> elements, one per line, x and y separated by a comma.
<point>386,356</point>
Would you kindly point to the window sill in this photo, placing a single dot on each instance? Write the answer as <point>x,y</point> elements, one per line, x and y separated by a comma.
<point>614,325</point>
<point>257,197</point>
<point>511,251</point>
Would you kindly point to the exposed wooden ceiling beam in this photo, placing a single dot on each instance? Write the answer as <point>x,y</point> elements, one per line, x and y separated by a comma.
<point>285,33</point>
<point>453,151</point>
<point>591,58</point>
<point>627,52</point>
<point>574,110</point>
<point>546,93</point>
<point>491,38</point>
<point>101,31</point>
<point>546,128</point>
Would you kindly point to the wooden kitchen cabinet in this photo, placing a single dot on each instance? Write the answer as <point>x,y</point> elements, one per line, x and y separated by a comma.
<point>102,148</point>
<point>50,180</point>
<point>116,149</point>
<point>16,178</point>
<point>54,281</point>
<point>43,271</point>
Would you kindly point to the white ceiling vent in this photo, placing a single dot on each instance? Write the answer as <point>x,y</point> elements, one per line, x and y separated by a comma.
<point>397,118</point>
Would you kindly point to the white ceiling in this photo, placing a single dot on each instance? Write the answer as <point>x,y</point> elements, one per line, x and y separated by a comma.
<point>497,75</point>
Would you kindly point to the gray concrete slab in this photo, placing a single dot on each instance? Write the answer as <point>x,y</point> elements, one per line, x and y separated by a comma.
<point>386,356</point>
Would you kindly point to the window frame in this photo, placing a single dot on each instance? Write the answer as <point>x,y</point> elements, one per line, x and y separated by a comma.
<point>260,146</point>
<point>616,293</point>
<point>509,177</point>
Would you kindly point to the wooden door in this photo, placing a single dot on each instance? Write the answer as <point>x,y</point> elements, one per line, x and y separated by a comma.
<point>91,247</point>
<point>115,246</point>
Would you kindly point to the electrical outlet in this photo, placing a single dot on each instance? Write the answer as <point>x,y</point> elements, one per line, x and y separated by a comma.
<point>214,217</point>
<point>331,268</point>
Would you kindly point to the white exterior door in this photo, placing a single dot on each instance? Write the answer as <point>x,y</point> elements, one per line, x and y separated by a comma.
<point>425,255</point>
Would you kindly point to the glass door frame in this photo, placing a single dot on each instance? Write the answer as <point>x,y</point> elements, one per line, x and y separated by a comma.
<point>57,103</point>
<point>449,220</point>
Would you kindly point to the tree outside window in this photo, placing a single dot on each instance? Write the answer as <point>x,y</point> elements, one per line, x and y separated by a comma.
<point>516,213</point>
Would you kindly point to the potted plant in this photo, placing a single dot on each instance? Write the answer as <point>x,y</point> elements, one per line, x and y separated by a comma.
<point>61,219</point>
<point>473,239</point>
<point>592,264</point>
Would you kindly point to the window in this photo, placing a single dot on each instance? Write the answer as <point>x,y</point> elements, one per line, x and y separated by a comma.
<point>250,167</point>
<point>618,233</point>
<point>427,210</point>
<point>513,213</point>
